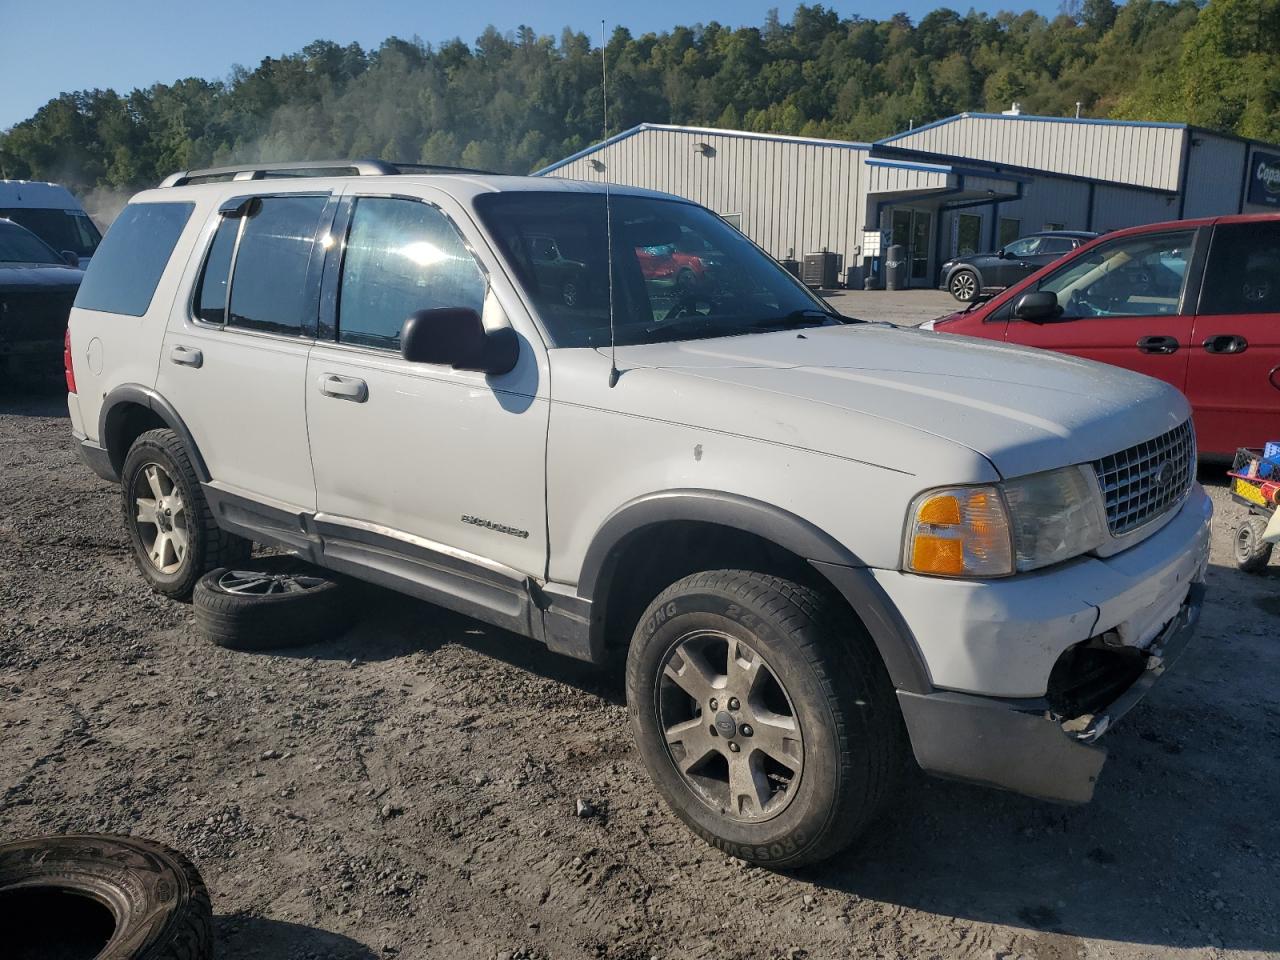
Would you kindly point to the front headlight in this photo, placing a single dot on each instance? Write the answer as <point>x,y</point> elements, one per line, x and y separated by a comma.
<point>1056,516</point>
<point>995,530</point>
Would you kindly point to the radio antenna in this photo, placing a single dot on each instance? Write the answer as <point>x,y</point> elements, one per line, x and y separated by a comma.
<point>608,208</point>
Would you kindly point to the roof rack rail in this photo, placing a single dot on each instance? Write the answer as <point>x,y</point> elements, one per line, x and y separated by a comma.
<point>306,168</point>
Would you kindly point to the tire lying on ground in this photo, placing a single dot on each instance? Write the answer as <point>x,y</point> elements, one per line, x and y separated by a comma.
<point>102,897</point>
<point>269,602</point>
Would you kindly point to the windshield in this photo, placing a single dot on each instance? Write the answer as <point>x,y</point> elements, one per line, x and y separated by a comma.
<point>60,229</point>
<point>21,246</point>
<point>679,271</point>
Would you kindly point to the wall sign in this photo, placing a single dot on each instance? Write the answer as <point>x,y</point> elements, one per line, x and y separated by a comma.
<point>1264,179</point>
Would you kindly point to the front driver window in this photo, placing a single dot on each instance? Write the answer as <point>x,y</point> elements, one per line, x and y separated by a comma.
<point>402,256</point>
<point>1026,247</point>
<point>1131,277</point>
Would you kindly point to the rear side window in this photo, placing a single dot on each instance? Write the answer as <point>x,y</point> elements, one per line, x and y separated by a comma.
<point>402,256</point>
<point>1052,245</point>
<point>129,262</point>
<point>211,296</point>
<point>269,288</point>
<point>1243,275</point>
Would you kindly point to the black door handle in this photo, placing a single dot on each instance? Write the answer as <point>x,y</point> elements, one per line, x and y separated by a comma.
<point>1226,343</point>
<point>1158,344</point>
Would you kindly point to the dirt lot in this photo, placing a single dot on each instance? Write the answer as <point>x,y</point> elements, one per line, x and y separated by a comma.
<point>409,790</point>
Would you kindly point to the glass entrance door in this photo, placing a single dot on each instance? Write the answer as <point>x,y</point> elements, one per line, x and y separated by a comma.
<point>913,230</point>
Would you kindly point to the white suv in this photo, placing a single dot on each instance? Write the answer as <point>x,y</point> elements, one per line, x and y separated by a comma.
<point>817,541</point>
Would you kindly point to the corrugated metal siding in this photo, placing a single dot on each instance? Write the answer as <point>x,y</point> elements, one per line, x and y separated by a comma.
<point>794,198</point>
<point>1051,200</point>
<point>1145,156</point>
<point>1116,207</point>
<point>1214,172</point>
<point>884,179</point>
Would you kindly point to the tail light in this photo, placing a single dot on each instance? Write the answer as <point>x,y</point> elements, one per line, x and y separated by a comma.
<point>67,365</point>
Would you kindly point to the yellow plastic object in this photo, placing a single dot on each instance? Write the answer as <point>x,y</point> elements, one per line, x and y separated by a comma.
<point>1244,488</point>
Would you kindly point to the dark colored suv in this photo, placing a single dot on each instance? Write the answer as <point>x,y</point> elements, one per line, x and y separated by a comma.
<point>967,277</point>
<point>37,287</point>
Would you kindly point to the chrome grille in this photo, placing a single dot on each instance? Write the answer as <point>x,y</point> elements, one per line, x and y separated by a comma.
<point>1146,480</point>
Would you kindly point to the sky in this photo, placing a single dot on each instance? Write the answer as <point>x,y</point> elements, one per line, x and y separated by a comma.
<point>53,46</point>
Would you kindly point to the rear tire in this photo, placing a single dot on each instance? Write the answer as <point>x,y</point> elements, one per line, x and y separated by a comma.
<point>1252,554</point>
<point>270,602</point>
<point>171,528</point>
<point>764,716</point>
<point>964,285</point>
<point>125,896</point>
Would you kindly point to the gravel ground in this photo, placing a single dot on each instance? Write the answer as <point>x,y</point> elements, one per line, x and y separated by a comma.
<point>410,789</point>
<point>909,308</point>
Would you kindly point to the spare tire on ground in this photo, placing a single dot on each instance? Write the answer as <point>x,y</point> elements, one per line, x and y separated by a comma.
<point>269,602</point>
<point>100,897</point>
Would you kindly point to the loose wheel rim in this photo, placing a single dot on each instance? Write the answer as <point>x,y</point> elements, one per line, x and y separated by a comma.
<point>160,517</point>
<point>963,286</point>
<point>730,727</point>
<point>1244,542</point>
<point>255,583</point>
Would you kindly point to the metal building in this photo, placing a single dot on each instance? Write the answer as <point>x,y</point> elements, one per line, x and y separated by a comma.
<point>968,183</point>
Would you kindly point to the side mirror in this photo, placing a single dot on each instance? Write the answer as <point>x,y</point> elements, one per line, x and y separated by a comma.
<point>1038,307</point>
<point>456,336</point>
<point>71,258</point>
<point>1002,254</point>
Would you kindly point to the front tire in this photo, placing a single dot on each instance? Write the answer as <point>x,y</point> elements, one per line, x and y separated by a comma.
<point>173,535</point>
<point>764,716</point>
<point>964,285</point>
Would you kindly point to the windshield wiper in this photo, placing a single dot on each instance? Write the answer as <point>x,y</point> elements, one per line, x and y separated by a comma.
<point>800,317</point>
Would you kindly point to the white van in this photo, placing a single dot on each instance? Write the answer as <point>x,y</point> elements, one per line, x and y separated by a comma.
<point>52,213</point>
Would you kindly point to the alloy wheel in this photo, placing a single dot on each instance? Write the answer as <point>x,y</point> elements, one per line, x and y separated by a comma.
<point>730,727</point>
<point>258,584</point>
<point>161,518</point>
<point>963,286</point>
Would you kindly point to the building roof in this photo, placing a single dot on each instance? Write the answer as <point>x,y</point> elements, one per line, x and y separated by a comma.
<point>1029,117</point>
<point>708,131</point>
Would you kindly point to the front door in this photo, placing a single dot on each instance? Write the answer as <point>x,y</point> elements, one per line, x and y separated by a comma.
<point>419,459</point>
<point>912,229</point>
<point>1234,377</point>
<point>1123,302</point>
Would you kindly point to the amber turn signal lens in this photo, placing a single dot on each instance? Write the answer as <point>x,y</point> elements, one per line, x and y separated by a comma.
<point>959,532</point>
<point>937,555</point>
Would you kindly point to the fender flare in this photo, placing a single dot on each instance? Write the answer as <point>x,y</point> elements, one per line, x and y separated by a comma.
<point>110,421</point>
<point>837,564</point>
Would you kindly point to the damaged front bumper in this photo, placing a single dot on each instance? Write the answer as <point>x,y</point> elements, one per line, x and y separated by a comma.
<point>1024,745</point>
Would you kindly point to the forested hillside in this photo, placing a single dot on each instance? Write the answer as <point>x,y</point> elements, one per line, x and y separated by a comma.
<point>514,101</point>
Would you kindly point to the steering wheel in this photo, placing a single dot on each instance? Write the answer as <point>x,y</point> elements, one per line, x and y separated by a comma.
<point>687,303</point>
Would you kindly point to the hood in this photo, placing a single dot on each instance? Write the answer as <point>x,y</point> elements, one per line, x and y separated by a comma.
<point>38,276</point>
<point>970,258</point>
<point>1024,410</point>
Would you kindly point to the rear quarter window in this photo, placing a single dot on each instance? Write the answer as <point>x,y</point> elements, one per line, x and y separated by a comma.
<point>129,262</point>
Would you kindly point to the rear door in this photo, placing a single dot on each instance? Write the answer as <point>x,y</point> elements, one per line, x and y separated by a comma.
<point>235,357</point>
<point>1234,377</point>
<point>1124,302</point>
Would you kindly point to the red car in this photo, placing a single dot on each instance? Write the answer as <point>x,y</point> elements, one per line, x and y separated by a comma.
<point>1193,302</point>
<point>684,263</point>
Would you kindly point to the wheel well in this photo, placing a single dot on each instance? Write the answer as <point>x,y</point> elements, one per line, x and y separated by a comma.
<point>125,423</point>
<point>656,556</point>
